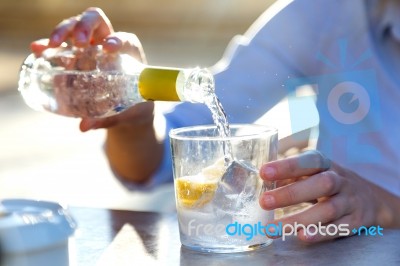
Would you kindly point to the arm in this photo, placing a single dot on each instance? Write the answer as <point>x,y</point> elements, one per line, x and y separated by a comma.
<point>133,149</point>
<point>249,83</point>
<point>132,146</point>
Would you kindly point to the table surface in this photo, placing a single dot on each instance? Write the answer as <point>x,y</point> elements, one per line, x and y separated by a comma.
<point>117,237</point>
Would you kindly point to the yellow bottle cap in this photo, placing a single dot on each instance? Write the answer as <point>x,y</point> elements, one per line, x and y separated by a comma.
<point>158,84</point>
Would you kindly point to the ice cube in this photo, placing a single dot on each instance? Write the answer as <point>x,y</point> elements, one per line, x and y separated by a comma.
<point>238,185</point>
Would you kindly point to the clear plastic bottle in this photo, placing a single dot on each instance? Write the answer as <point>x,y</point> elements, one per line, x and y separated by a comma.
<point>88,82</point>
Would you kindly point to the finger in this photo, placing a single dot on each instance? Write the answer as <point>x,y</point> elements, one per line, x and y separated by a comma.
<point>124,42</point>
<point>38,46</point>
<point>88,124</point>
<point>313,224</point>
<point>322,212</point>
<point>336,229</point>
<point>138,114</point>
<point>304,164</point>
<point>92,27</point>
<point>323,184</point>
<point>112,44</point>
<point>96,123</point>
<point>62,31</point>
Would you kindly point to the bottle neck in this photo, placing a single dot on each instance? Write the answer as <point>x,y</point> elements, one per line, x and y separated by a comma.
<point>158,84</point>
<point>172,84</point>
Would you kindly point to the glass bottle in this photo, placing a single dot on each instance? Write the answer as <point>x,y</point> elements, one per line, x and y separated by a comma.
<point>88,82</point>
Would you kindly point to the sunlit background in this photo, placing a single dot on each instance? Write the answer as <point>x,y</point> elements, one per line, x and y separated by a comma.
<point>44,156</point>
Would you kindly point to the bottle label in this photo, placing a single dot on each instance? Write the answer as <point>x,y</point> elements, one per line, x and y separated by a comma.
<point>158,84</point>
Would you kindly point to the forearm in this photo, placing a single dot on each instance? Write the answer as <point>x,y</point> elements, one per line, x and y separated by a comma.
<point>134,151</point>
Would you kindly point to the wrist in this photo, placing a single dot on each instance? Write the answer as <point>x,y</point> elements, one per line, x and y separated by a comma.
<point>133,150</point>
<point>387,209</point>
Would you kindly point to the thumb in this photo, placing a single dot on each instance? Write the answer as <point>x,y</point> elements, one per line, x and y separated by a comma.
<point>88,124</point>
<point>96,123</point>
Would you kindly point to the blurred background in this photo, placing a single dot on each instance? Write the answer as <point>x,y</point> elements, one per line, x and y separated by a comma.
<point>45,156</point>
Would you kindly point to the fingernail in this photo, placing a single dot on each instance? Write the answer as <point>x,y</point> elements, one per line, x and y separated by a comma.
<point>56,38</point>
<point>269,200</point>
<point>269,172</point>
<point>112,41</point>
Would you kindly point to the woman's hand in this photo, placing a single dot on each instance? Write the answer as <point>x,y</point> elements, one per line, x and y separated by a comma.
<point>339,195</point>
<point>132,146</point>
<point>92,27</point>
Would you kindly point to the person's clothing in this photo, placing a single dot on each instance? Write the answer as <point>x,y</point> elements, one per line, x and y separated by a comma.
<point>348,51</point>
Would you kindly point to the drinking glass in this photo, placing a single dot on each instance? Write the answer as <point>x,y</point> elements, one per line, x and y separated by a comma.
<point>217,186</point>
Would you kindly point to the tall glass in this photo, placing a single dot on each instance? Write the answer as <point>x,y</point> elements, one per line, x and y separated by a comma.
<point>217,194</point>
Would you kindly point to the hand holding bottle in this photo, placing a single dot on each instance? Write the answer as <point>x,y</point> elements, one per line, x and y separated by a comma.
<point>90,29</point>
<point>131,146</point>
<point>84,80</point>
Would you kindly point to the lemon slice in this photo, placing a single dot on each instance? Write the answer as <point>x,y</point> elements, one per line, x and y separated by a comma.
<point>194,191</point>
